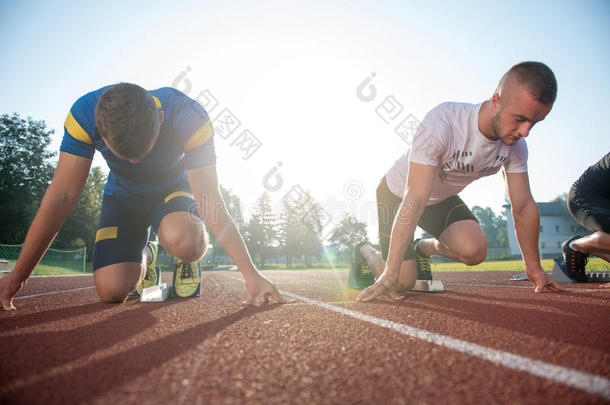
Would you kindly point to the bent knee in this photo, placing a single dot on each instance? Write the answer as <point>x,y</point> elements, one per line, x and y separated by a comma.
<point>187,245</point>
<point>474,253</point>
<point>113,297</point>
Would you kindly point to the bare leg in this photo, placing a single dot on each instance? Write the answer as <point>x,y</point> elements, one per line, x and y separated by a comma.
<point>408,268</point>
<point>597,244</point>
<point>114,282</point>
<point>463,241</point>
<point>183,236</point>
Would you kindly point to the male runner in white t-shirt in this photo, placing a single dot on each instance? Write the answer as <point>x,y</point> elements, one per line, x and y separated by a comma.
<point>456,144</point>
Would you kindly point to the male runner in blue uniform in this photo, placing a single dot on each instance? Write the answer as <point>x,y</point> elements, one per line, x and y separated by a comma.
<point>159,147</point>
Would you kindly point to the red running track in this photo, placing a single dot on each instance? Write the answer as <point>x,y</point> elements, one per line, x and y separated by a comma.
<point>484,340</point>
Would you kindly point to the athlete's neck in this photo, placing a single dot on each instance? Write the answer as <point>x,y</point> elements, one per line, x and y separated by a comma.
<point>485,121</point>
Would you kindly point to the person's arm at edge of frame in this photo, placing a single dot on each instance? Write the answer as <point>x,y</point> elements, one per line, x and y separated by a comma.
<point>204,184</point>
<point>57,203</point>
<point>417,193</point>
<point>527,229</point>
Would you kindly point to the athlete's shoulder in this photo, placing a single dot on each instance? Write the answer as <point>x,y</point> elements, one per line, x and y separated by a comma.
<point>452,109</point>
<point>80,122</point>
<point>170,96</point>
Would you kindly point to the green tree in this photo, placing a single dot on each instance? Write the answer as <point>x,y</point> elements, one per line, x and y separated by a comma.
<point>288,233</point>
<point>80,226</point>
<point>494,227</point>
<point>563,200</point>
<point>25,173</point>
<point>346,234</point>
<point>261,233</point>
<point>300,229</point>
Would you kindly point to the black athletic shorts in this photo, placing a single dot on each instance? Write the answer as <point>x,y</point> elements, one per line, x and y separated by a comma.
<point>435,218</point>
<point>125,223</point>
<point>589,197</point>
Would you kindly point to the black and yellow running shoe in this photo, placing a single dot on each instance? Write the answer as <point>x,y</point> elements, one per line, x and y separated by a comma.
<point>187,280</point>
<point>151,277</point>
<point>360,276</point>
<point>424,272</point>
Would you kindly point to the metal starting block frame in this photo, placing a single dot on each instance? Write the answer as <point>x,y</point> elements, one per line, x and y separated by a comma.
<point>559,273</point>
<point>429,286</point>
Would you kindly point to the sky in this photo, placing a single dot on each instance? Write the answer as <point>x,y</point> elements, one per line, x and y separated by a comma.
<point>289,72</point>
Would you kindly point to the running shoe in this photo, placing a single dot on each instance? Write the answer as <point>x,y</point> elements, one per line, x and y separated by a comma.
<point>575,261</point>
<point>187,280</point>
<point>424,271</point>
<point>151,277</point>
<point>360,275</point>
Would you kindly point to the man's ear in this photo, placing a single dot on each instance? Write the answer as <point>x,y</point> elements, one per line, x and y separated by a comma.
<point>161,116</point>
<point>495,102</point>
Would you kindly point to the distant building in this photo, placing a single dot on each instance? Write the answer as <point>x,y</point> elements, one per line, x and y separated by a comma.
<point>556,226</point>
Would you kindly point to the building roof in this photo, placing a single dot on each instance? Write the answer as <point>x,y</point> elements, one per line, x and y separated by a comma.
<point>549,209</point>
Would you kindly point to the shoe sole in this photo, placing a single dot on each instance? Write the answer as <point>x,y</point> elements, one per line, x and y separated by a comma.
<point>194,288</point>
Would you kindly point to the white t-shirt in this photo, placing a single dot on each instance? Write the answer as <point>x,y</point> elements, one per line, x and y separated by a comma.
<point>449,138</point>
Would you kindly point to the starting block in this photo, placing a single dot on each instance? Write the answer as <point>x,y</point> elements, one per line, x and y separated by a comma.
<point>559,271</point>
<point>156,293</point>
<point>601,277</point>
<point>560,275</point>
<point>429,286</point>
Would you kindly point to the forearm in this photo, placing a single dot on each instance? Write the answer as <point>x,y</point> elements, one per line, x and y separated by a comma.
<point>230,239</point>
<point>402,232</point>
<point>527,230</point>
<point>53,211</point>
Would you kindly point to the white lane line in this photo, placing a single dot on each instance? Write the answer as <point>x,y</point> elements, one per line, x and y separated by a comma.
<point>590,383</point>
<point>51,293</point>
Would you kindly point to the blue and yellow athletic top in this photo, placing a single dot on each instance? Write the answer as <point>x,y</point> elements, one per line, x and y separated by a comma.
<point>185,142</point>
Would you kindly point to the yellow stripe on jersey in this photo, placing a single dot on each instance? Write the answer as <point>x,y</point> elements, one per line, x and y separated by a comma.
<point>200,137</point>
<point>77,132</point>
<point>157,102</point>
<point>177,194</point>
<point>110,232</point>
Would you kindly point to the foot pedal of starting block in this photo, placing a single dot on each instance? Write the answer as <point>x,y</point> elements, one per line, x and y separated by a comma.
<point>559,271</point>
<point>430,286</point>
<point>599,277</point>
<point>156,293</point>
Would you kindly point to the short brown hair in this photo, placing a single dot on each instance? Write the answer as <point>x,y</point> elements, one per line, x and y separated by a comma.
<point>127,117</point>
<point>538,77</point>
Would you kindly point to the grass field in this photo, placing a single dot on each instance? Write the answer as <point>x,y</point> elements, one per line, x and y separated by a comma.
<point>510,265</point>
<point>594,264</point>
<point>47,270</point>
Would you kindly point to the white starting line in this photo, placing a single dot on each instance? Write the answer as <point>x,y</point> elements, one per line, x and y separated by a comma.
<point>590,383</point>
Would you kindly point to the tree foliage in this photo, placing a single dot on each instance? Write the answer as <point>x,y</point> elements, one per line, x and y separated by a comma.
<point>300,229</point>
<point>25,173</point>
<point>347,233</point>
<point>261,233</point>
<point>494,227</point>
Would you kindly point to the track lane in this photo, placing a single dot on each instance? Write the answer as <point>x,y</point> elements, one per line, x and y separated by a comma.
<point>209,350</point>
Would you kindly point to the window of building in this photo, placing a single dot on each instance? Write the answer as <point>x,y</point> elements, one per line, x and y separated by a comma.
<point>559,245</point>
<point>542,245</point>
<point>540,228</point>
<point>556,228</point>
